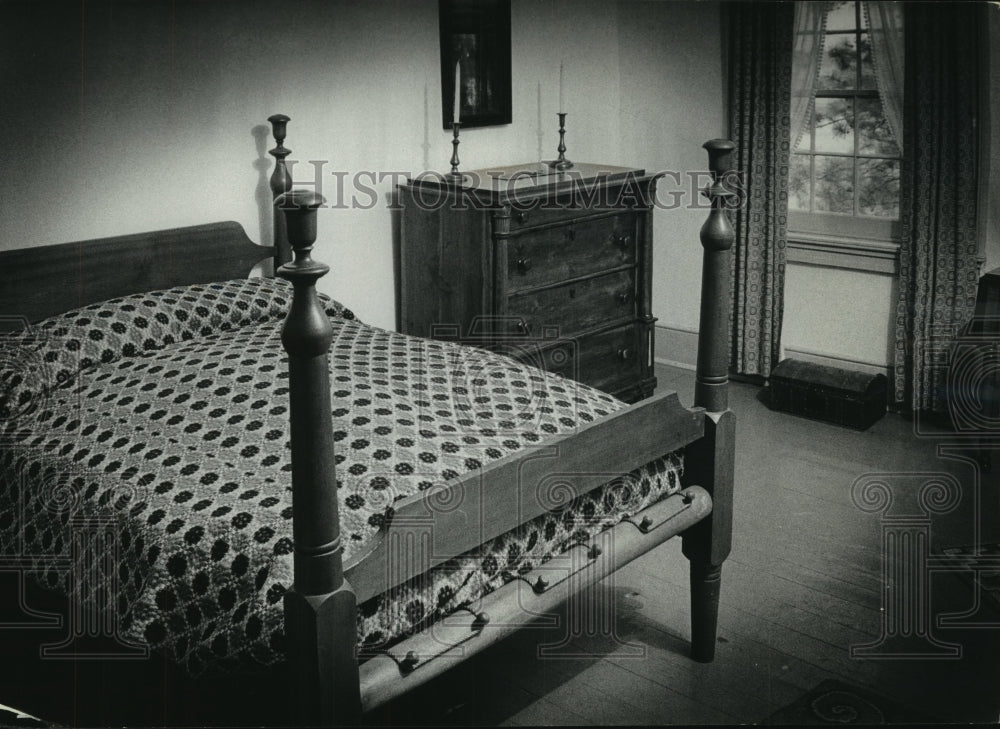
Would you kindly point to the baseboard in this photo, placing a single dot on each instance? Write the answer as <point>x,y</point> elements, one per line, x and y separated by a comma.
<point>676,347</point>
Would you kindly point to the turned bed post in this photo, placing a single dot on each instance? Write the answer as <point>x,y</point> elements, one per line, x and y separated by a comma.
<point>320,607</point>
<point>709,461</point>
<point>281,182</point>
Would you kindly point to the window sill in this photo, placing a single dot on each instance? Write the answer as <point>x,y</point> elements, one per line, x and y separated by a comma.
<point>857,254</point>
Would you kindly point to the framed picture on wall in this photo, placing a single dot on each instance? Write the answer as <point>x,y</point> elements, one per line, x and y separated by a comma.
<point>475,37</point>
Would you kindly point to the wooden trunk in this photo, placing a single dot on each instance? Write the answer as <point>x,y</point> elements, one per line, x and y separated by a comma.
<point>842,397</point>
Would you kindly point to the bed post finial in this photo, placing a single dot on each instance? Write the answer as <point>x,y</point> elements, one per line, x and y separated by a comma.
<point>717,238</point>
<point>281,182</point>
<point>320,607</point>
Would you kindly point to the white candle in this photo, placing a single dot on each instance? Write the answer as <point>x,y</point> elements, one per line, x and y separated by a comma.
<point>458,92</point>
<point>562,88</point>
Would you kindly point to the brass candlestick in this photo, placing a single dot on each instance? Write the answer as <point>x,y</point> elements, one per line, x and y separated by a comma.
<point>561,163</point>
<point>455,126</point>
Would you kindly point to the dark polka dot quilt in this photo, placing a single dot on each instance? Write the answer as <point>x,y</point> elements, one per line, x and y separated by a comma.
<point>158,423</point>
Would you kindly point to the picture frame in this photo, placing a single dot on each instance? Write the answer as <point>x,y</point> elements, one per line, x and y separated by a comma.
<point>476,35</point>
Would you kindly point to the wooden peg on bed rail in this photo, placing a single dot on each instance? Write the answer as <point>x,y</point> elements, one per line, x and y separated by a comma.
<point>320,608</point>
<point>281,182</point>
<point>709,461</point>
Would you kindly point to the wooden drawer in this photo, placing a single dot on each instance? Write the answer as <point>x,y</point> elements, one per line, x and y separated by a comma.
<point>534,213</point>
<point>577,306</point>
<point>611,360</point>
<point>527,211</point>
<point>580,248</point>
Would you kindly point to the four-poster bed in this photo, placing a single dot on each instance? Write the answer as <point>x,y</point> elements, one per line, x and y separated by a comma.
<point>454,484</point>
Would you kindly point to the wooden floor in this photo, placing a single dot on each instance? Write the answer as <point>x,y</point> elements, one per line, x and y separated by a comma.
<point>804,584</point>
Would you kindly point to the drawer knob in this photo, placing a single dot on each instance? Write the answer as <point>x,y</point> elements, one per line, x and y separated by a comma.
<point>624,297</point>
<point>524,263</point>
<point>622,241</point>
<point>522,217</point>
<point>624,354</point>
<point>521,326</point>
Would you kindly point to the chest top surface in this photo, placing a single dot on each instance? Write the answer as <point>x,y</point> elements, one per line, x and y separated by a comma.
<point>500,185</point>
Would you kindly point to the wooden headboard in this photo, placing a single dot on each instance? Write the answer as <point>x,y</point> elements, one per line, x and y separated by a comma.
<point>39,282</point>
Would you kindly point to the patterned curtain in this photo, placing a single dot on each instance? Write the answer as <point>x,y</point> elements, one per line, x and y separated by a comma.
<point>938,270</point>
<point>760,67</point>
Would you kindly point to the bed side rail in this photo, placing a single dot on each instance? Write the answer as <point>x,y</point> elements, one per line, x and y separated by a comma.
<point>458,515</point>
<point>537,593</point>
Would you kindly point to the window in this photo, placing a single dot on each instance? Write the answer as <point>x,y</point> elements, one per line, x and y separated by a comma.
<point>845,167</point>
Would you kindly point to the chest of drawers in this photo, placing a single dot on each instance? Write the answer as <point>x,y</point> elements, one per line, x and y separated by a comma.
<point>553,269</point>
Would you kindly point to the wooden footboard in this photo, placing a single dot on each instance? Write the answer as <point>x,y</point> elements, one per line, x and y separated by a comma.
<point>439,524</point>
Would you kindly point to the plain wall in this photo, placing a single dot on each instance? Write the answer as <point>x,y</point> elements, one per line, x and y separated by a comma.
<point>838,313</point>
<point>124,117</point>
<point>672,101</point>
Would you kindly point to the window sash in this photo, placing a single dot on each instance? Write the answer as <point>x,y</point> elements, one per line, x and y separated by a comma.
<point>817,225</point>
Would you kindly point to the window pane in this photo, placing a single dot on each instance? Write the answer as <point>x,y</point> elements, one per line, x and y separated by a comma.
<point>840,16</point>
<point>834,184</point>
<point>798,183</point>
<point>874,135</point>
<point>838,66</point>
<point>834,121</point>
<point>867,69</point>
<point>878,187</point>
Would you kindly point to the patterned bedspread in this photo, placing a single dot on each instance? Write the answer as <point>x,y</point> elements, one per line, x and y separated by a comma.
<point>159,422</point>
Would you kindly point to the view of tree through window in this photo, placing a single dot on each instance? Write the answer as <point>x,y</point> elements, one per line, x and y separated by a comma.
<point>847,161</point>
